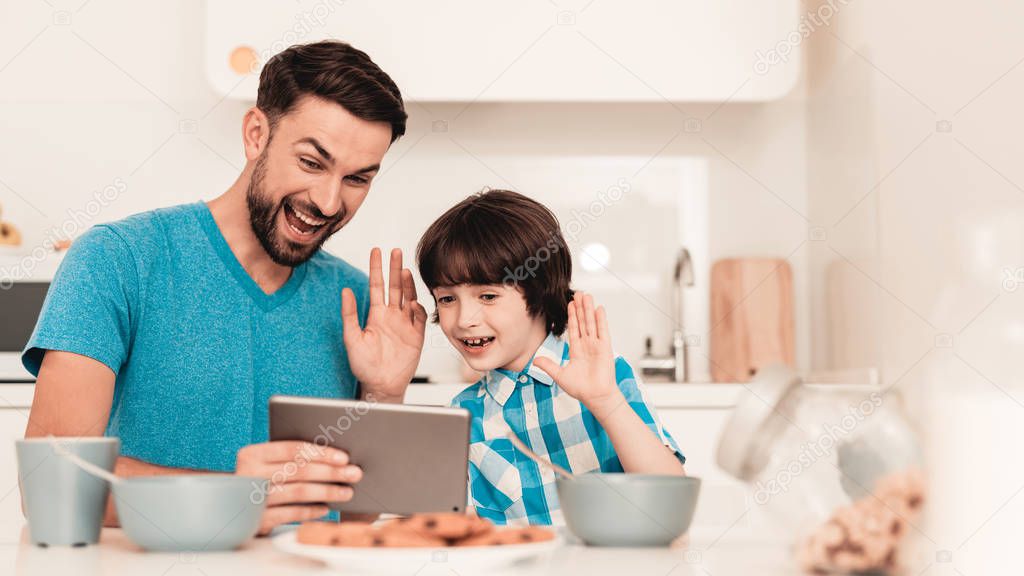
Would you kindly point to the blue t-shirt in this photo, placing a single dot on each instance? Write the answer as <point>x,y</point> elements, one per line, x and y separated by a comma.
<point>197,347</point>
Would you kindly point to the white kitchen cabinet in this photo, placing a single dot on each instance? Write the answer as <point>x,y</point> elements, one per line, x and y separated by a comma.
<point>725,504</point>
<point>529,51</point>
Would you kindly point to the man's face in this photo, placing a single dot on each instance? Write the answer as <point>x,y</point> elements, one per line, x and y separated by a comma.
<point>312,177</point>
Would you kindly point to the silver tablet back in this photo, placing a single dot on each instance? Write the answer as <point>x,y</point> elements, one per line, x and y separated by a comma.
<point>414,458</point>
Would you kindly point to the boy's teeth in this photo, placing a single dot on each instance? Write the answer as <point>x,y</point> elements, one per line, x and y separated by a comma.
<point>477,341</point>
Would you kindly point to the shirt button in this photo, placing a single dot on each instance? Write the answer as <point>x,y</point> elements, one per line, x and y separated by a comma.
<point>523,379</point>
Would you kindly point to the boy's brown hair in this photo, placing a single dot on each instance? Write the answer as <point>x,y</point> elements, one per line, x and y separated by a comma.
<point>501,237</point>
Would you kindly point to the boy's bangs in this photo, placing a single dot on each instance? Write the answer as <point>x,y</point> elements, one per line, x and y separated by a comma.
<point>462,260</point>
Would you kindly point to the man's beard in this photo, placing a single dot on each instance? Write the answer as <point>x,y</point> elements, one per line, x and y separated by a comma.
<point>263,219</point>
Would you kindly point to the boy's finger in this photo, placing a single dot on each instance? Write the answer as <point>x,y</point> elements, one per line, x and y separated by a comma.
<point>376,278</point>
<point>602,323</point>
<point>545,364</point>
<point>573,328</point>
<point>577,303</point>
<point>588,316</point>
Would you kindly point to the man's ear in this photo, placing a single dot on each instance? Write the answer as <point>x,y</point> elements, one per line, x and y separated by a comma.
<point>255,133</point>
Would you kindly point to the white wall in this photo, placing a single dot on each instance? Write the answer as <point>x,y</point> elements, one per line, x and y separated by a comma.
<point>117,97</point>
<point>915,107</point>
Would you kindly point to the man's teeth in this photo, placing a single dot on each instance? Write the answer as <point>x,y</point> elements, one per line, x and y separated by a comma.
<point>300,232</point>
<point>477,341</point>
<point>307,218</point>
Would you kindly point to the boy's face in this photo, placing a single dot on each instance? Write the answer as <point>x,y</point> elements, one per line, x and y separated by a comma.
<point>489,325</point>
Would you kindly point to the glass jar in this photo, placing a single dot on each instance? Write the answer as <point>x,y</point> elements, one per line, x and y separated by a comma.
<point>837,466</point>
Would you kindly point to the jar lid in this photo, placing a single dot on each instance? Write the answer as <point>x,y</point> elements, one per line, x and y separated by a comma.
<point>755,407</point>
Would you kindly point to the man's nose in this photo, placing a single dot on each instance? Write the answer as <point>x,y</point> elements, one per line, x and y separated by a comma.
<point>327,198</point>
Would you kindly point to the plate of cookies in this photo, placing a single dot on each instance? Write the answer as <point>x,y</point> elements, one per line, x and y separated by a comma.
<point>406,545</point>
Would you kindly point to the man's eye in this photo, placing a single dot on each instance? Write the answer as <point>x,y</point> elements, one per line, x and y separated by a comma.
<point>358,180</point>
<point>310,163</point>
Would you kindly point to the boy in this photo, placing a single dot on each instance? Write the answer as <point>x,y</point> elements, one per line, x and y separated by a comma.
<point>499,271</point>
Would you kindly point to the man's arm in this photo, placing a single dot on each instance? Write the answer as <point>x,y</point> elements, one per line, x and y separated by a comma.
<point>73,396</point>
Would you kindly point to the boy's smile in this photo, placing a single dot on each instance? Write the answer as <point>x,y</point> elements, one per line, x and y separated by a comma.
<point>489,325</point>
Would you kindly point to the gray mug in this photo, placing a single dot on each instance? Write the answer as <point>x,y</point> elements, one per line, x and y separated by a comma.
<point>64,504</point>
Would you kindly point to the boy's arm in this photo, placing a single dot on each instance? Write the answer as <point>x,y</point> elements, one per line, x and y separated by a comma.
<point>589,376</point>
<point>638,449</point>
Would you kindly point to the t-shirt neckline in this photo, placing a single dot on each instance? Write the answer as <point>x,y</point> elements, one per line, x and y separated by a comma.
<point>223,250</point>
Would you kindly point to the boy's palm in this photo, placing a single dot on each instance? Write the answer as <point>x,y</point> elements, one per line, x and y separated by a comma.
<point>589,374</point>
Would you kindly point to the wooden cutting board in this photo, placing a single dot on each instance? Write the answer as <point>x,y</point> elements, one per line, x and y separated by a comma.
<point>751,317</point>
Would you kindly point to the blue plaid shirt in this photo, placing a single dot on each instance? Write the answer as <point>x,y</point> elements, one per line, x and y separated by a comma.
<point>505,486</point>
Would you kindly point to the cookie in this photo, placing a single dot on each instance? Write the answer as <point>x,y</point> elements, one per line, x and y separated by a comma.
<point>509,536</point>
<point>350,534</point>
<point>446,526</point>
<point>384,538</point>
<point>362,535</point>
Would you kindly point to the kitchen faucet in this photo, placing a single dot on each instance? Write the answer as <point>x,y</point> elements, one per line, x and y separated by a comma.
<point>676,364</point>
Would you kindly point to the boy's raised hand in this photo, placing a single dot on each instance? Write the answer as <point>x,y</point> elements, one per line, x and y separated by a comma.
<point>589,376</point>
<point>385,353</point>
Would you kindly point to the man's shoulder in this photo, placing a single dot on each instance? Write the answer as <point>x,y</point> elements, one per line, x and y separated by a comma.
<point>328,267</point>
<point>133,234</point>
<point>151,228</point>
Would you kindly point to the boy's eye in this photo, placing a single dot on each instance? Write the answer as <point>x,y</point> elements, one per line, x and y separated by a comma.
<point>488,297</point>
<point>445,299</point>
<point>311,164</point>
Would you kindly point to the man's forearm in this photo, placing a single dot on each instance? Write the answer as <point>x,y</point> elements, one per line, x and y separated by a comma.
<point>126,467</point>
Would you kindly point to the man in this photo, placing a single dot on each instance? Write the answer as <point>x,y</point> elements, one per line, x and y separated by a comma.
<point>171,329</point>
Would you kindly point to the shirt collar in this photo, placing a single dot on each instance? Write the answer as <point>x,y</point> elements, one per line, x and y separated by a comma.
<point>500,384</point>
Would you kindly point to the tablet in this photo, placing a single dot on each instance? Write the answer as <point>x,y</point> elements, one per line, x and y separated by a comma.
<point>414,458</point>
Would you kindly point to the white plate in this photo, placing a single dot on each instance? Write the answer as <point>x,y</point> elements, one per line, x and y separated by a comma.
<point>475,559</point>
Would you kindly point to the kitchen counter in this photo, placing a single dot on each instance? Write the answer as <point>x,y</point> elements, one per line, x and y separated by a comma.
<point>661,395</point>
<point>117,555</point>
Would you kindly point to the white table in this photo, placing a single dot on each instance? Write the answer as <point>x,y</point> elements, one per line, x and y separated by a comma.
<point>116,555</point>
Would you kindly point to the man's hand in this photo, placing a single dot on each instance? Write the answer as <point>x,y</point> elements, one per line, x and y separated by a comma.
<point>384,355</point>
<point>589,376</point>
<point>303,478</point>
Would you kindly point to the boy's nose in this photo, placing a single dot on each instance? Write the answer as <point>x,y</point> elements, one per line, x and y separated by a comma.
<point>469,316</point>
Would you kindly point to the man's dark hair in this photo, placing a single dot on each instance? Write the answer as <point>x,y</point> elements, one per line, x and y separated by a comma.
<point>334,71</point>
<point>501,237</point>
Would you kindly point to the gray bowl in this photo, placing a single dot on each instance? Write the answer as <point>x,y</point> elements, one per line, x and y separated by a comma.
<point>192,512</point>
<point>628,509</point>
